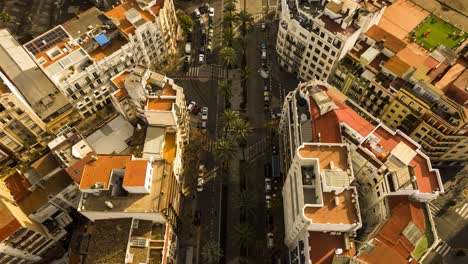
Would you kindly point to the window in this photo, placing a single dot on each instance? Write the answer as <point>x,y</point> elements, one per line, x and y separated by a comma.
<point>392,111</point>
<point>411,104</point>
<point>423,129</point>
<point>400,116</point>
<point>403,97</point>
<point>330,61</point>
<point>418,135</point>
<point>330,40</point>
<point>314,58</point>
<point>324,56</point>
<point>77,86</point>
<point>322,34</point>
<point>333,53</point>
<point>308,55</point>
<point>319,43</point>
<point>326,48</point>
<point>317,51</point>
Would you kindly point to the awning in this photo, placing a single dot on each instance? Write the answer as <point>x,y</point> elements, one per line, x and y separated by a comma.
<point>101,39</point>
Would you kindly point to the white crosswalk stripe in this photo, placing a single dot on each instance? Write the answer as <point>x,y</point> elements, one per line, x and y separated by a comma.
<point>443,248</point>
<point>256,150</point>
<point>217,72</point>
<point>462,210</point>
<point>435,210</point>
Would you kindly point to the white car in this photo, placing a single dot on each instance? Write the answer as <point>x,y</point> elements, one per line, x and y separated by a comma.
<point>201,170</point>
<point>197,13</point>
<point>270,240</point>
<point>267,184</point>
<point>268,201</point>
<point>211,11</point>
<point>191,106</point>
<point>201,58</point>
<point>264,74</point>
<point>204,113</point>
<point>200,182</point>
<point>203,126</point>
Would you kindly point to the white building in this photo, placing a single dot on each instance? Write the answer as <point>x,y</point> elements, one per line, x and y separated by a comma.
<point>338,166</point>
<point>315,34</point>
<point>83,54</point>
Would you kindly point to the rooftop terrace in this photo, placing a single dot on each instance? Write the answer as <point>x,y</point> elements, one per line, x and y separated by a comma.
<point>336,209</point>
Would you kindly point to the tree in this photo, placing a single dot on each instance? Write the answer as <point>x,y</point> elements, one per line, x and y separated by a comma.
<point>224,151</point>
<point>5,17</point>
<point>241,129</point>
<point>245,21</point>
<point>229,56</point>
<point>185,21</point>
<point>224,88</point>
<point>245,201</point>
<point>229,7</point>
<point>211,253</point>
<point>228,36</point>
<point>245,74</point>
<point>244,235</point>
<point>229,118</point>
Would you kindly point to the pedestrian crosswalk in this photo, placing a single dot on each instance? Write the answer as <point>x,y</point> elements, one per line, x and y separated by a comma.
<point>256,150</point>
<point>208,143</point>
<point>217,72</point>
<point>435,210</point>
<point>442,248</point>
<point>462,210</point>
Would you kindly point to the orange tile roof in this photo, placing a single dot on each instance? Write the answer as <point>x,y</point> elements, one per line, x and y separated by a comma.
<point>118,13</point>
<point>402,17</point>
<point>76,170</point>
<point>170,147</point>
<point>343,213</point>
<point>8,223</point>
<point>119,82</point>
<point>397,66</point>
<point>327,154</point>
<point>18,186</point>
<point>135,173</point>
<point>457,74</point>
<point>168,90</point>
<point>160,104</point>
<point>323,246</point>
<point>391,42</point>
<point>100,170</point>
<point>426,179</point>
<point>390,240</point>
<point>158,6</point>
<point>412,56</point>
<point>328,124</point>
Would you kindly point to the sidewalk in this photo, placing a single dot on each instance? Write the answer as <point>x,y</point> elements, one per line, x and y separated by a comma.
<point>236,89</point>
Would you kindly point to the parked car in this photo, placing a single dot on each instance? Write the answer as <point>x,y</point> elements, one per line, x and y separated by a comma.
<point>270,240</point>
<point>203,126</point>
<point>201,58</point>
<point>196,220</point>
<point>275,115</point>
<point>201,170</point>
<point>209,48</point>
<point>204,8</point>
<point>203,31</point>
<point>268,201</point>
<point>202,50</point>
<point>210,32</point>
<point>263,73</point>
<point>189,37</point>
<point>267,185</point>
<point>266,96</point>
<point>191,106</point>
<point>211,11</point>
<point>196,110</point>
<point>269,221</point>
<point>204,113</point>
<point>263,45</point>
<point>197,13</point>
<point>188,48</point>
<point>186,62</point>
<point>264,55</point>
<point>202,23</point>
<point>200,182</point>
<point>267,168</point>
<point>263,26</point>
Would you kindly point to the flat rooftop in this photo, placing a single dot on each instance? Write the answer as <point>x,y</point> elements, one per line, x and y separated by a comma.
<point>331,213</point>
<point>170,147</point>
<point>160,104</point>
<point>155,201</point>
<point>99,170</point>
<point>103,51</point>
<point>338,155</point>
<point>402,17</point>
<point>118,13</point>
<point>119,81</point>
<point>81,23</point>
<point>323,246</point>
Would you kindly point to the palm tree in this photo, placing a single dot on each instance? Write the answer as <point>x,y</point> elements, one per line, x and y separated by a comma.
<point>228,36</point>
<point>245,202</point>
<point>228,19</point>
<point>244,235</point>
<point>224,151</point>
<point>229,118</point>
<point>229,56</point>
<point>5,17</point>
<point>241,129</point>
<point>229,7</point>
<point>245,74</point>
<point>245,20</point>
<point>224,88</point>
<point>211,253</point>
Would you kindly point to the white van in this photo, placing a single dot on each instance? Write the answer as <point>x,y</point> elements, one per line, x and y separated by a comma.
<point>188,48</point>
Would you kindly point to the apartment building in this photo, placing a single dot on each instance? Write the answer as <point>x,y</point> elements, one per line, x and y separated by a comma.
<point>20,127</point>
<point>120,187</point>
<point>418,92</point>
<point>28,84</point>
<point>155,100</point>
<point>344,172</point>
<point>313,35</point>
<point>83,54</point>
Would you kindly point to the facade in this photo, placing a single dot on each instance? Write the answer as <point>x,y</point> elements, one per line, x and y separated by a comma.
<point>344,172</point>
<point>420,93</point>
<point>83,54</point>
<point>314,35</point>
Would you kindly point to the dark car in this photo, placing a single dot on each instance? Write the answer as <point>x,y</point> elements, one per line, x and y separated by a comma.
<point>189,37</point>
<point>204,8</point>
<point>269,221</point>
<point>267,168</point>
<point>196,220</point>
<point>196,110</point>
<point>202,49</point>
<point>203,31</point>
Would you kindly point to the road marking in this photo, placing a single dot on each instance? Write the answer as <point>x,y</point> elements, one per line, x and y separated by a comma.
<point>435,210</point>
<point>463,211</point>
<point>443,248</point>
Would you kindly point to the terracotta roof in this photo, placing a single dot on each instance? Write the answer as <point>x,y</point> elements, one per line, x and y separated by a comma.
<point>389,41</point>
<point>119,82</point>
<point>412,56</point>
<point>119,11</point>
<point>76,170</point>
<point>160,104</point>
<point>158,6</point>
<point>343,213</point>
<point>458,75</point>
<point>99,171</point>
<point>390,240</point>
<point>135,173</point>
<point>18,186</point>
<point>170,147</point>
<point>402,17</point>
<point>326,154</point>
<point>397,66</point>
<point>45,165</point>
<point>8,223</point>
<point>323,246</point>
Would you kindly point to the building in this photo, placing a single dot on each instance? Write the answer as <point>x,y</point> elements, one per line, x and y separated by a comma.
<point>347,178</point>
<point>31,86</point>
<point>313,35</point>
<point>20,127</point>
<point>82,55</point>
<point>418,92</point>
<point>153,99</point>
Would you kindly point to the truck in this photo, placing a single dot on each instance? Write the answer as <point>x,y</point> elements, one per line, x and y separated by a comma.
<point>188,48</point>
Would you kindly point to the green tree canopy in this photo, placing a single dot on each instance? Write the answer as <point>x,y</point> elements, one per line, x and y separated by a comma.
<point>185,21</point>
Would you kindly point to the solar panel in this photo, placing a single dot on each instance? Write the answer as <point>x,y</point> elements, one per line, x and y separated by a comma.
<point>46,41</point>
